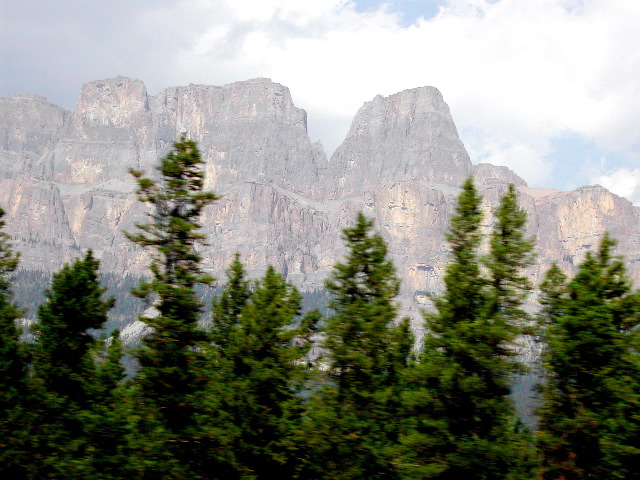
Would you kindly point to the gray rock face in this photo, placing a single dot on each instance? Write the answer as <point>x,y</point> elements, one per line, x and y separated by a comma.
<point>571,223</point>
<point>30,126</point>
<point>66,187</point>
<point>247,131</point>
<point>407,136</point>
<point>109,127</point>
<point>487,174</point>
<point>37,222</point>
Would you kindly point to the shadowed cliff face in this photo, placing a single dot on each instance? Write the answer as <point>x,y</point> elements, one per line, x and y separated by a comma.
<point>65,185</point>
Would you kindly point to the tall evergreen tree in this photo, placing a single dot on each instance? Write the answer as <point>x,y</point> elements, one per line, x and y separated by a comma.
<point>171,360</point>
<point>12,369</point>
<point>509,254</point>
<point>106,424</point>
<point>73,308</point>
<point>12,366</point>
<point>63,368</point>
<point>260,349</point>
<point>228,307</point>
<point>352,422</point>
<point>463,424</point>
<point>589,420</point>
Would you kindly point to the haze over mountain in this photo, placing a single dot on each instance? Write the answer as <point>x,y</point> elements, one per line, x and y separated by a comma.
<point>66,187</point>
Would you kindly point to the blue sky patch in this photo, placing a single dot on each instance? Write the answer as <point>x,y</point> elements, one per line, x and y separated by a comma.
<point>410,10</point>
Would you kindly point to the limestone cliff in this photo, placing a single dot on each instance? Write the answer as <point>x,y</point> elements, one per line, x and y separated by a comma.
<point>407,136</point>
<point>30,127</point>
<point>65,185</point>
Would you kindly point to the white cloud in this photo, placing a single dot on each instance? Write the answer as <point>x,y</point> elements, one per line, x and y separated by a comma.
<point>525,159</point>
<point>624,182</point>
<point>516,73</point>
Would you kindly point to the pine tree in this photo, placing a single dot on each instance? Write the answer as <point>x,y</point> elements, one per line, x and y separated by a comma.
<point>13,369</point>
<point>72,309</point>
<point>552,289</point>
<point>510,254</point>
<point>227,308</point>
<point>463,424</point>
<point>351,425</point>
<point>260,353</point>
<point>589,421</point>
<point>223,412</point>
<point>63,368</point>
<point>171,360</point>
<point>106,423</point>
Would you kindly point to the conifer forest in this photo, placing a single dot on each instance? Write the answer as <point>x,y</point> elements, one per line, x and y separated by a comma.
<point>262,391</point>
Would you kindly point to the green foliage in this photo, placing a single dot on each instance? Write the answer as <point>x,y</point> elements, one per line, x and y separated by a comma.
<point>351,425</point>
<point>12,366</point>
<point>73,308</point>
<point>227,308</point>
<point>464,302</point>
<point>259,352</point>
<point>172,376</point>
<point>13,369</point>
<point>167,361</point>
<point>357,335</point>
<point>589,421</point>
<point>510,253</point>
<point>105,420</point>
<point>63,370</point>
<point>552,289</point>
<point>8,258</point>
<point>178,200</point>
<point>463,424</point>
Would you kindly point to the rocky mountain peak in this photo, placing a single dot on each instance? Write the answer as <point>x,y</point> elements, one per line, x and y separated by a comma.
<point>195,107</point>
<point>487,174</point>
<point>406,136</point>
<point>115,101</point>
<point>250,130</point>
<point>110,122</point>
<point>406,104</point>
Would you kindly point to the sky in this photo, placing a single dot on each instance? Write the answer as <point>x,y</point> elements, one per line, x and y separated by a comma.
<point>548,88</point>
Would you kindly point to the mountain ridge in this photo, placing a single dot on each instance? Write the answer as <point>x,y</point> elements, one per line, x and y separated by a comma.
<point>66,187</point>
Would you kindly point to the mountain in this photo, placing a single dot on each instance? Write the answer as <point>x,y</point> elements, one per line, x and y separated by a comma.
<point>66,187</point>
